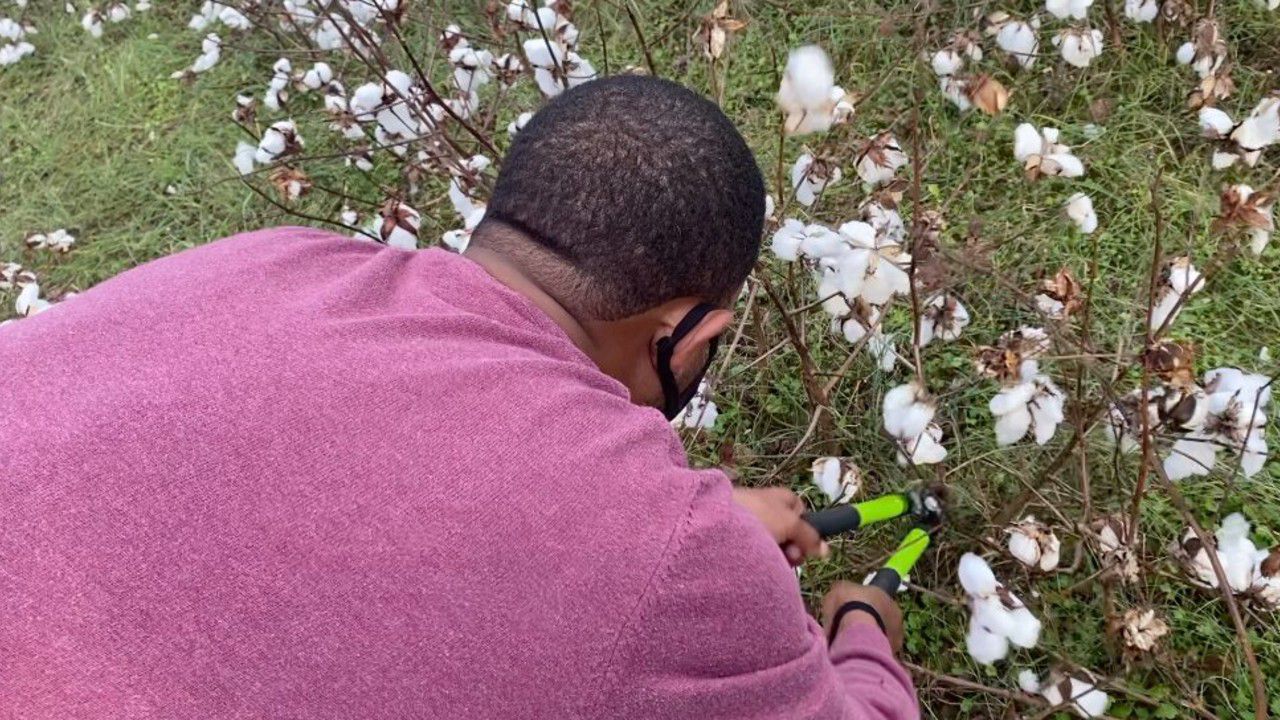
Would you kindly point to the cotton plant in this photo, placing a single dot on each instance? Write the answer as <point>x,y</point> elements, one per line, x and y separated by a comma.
<point>1034,544</point>
<point>543,21</point>
<point>1233,418</point>
<point>515,126</point>
<point>838,479</point>
<point>464,185</point>
<point>1079,46</point>
<point>1017,38</point>
<point>1081,696</point>
<point>908,412</point>
<point>997,618</point>
<point>14,45</point>
<point>701,412</point>
<point>213,11</point>
<point>808,94</point>
<point>1041,154</point>
<point>59,241</point>
<point>1178,280</point>
<point>943,318</point>
<point>1250,572</point>
<point>879,159</point>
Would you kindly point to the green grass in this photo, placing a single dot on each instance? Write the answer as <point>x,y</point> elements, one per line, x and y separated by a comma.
<point>93,132</point>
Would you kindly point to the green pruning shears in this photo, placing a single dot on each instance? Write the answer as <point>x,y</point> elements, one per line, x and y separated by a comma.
<point>925,506</point>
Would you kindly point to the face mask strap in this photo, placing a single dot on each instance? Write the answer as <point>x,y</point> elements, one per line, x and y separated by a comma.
<point>672,399</point>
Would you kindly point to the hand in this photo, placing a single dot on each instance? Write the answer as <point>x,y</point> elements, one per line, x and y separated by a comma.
<point>842,592</point>
<point>780,510</point>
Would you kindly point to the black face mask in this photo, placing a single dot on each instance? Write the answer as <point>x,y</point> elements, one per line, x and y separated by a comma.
<point>673,398</point>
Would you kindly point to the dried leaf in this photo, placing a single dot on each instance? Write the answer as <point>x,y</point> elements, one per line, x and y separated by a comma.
<point>987,94</point>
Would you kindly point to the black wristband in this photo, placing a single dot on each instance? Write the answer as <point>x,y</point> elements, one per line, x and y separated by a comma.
<point>849,607</point>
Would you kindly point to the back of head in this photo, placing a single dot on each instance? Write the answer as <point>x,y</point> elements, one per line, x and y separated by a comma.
<point>640,186</point>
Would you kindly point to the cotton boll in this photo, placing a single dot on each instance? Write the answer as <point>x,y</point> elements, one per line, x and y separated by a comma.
<point>907,411</point>
<point>1079,47</point>
<point>318,76</point>
<point>1141,11</point>
<point>244,157</point>
<point>701,412</point>
<point>1019,40</point>
<point>1062,164</point>
<point>1215,123</point>
<point>1026,142</point>
<point>29,301</point>
<point>92,23</point>
<point>1195,454</point>
<point>1013,426</point>
<point>1028,681</point>
<point>1261,128</point>
<point>1064,9</point>
<point>1080,210</point>
<point>839,480</point>
<point>986,648</point>
<point>925,449</point>
<point>957,91</point>
<point>946,62</point>
<point>808,78</point>
<point>518,124</point>
<point>786,240</point>
<point>976,576</point>
<point>880,159</point>
<point>118,12</point>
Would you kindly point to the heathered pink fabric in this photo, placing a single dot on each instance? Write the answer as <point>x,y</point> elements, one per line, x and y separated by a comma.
<point>293,475</point>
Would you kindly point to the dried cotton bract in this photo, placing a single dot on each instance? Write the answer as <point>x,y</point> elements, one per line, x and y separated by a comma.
<point>1142,629</point>
<point>997,617</point>
<point>715,30</point>
<point>1243,208</point>
<point>1034,544</point>
<point>838,479</point>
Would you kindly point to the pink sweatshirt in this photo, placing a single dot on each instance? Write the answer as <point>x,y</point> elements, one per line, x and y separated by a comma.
<point>294,475</point>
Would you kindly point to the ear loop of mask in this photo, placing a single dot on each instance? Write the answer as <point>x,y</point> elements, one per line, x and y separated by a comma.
<point>673,399</point>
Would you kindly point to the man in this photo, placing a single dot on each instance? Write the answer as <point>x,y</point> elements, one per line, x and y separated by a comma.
<point>290,474</point>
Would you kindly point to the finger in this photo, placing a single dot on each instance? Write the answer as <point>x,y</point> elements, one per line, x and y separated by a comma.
<point>794,554</point>
<point>806,537</point>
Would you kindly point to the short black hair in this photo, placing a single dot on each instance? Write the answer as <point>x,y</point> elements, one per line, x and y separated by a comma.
<point>644,187</point>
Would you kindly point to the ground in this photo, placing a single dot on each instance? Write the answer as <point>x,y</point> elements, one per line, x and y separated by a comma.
<point>96,138</point>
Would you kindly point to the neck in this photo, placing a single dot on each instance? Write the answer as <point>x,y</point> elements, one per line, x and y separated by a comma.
<point>508,273</point>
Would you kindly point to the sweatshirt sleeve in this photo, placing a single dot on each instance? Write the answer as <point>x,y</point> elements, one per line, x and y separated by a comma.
<point>722,632</point>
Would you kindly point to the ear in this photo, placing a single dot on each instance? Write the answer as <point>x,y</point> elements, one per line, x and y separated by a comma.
<point>691,350</point>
